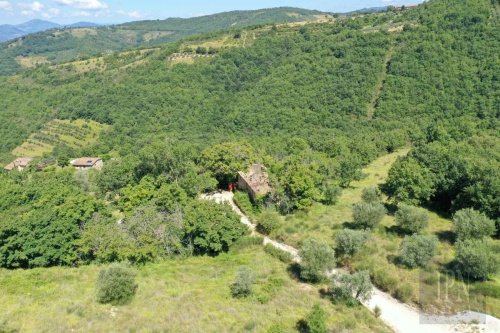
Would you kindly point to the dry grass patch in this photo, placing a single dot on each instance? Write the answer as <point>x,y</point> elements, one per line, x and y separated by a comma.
<point>30,62</point>
<point>152,35</point>
<point>82,32</point>
<point>190,295</point>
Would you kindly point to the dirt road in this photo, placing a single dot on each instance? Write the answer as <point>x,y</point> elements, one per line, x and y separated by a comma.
<point>401,317</point>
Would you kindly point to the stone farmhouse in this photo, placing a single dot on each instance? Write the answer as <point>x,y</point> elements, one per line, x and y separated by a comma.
<point>255,181</point>
<point>19,164</point>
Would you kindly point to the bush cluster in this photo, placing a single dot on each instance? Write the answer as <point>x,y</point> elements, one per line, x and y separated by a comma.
<point>242,285</point>
<point>116,285</point>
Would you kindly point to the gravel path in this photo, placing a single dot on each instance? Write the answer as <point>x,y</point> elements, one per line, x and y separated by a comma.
<point>401,317</point>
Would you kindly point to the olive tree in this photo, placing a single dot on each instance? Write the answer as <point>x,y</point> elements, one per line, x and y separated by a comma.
<point>417,250</point>
<point>411,218</point>
<point>317,257</point>
<point>368,215</point>
<point>352,287</point>
<point>476,259</point>
<point>349,242</point>
<point>470,223</point>
<point>371,195</point>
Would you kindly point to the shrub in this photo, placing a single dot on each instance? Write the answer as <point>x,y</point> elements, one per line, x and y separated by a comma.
<point>242,200</point>
<point>411,218</point>
<point>242,285</point>
<point>349,242</point>
<point>317,258</point>
<point>268,221</point>
<point>489,289</point>
<point>5,328</point>
<point>377,311</point>
<point>470,223</point>
<point>404,292</point>
<point>476,259</point>
<point>368,215</point>
<point>331,193</point>
<point>316,320</point>
<point>278,253</point>
<point>276,328</point>
<point>417,250</point>
<point>384,280</point>
<point>247,241</point>
<point>250,326</point>
<point>371,195</point>
<point>116,285</point>
<point>351,287</point>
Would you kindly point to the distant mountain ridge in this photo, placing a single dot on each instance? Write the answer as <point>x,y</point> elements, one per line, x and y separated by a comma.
<point>11,31</point>
<point>70,43</point>
<point>82,25</point>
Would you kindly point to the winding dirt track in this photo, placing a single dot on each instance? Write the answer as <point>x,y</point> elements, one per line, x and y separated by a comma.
<point>401,317</point>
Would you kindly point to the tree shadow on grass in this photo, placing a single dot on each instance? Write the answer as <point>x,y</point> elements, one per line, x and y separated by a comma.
<point>396,260</point>
<point>447,236</point>
<point>391,208</point>
<point>302,326</point>
<point>294,271</point>
<point>351,225</point>
<point>454,270</point>
<point>396,229</point>
<point>325,293</point>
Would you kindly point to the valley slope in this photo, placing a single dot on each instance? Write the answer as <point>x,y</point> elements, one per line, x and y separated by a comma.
<point>67,43</point>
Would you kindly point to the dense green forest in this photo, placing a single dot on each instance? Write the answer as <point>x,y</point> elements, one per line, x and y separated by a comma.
<point>314,103</point>
<point>65,44</point>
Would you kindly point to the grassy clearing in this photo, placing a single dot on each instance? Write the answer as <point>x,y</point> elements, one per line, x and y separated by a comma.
<point>31,62</point>
<point>420,287</point>
<point>323,222</point>
<point>82,32</point>
<point>152,35</point>
<point>82,66</point>
<point>77,134</point>
<point>174,296</point>
<point>219,42</point>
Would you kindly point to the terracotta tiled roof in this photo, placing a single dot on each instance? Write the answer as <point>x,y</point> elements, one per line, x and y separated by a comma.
<point>85,162</point>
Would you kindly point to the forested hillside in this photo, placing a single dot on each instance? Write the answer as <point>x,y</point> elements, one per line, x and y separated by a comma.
<point>65,44</point>
<point>315,103</point>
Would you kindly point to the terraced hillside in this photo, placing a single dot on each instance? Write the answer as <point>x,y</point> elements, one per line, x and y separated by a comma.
<point>78,134</point>
<point>63,45</point>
